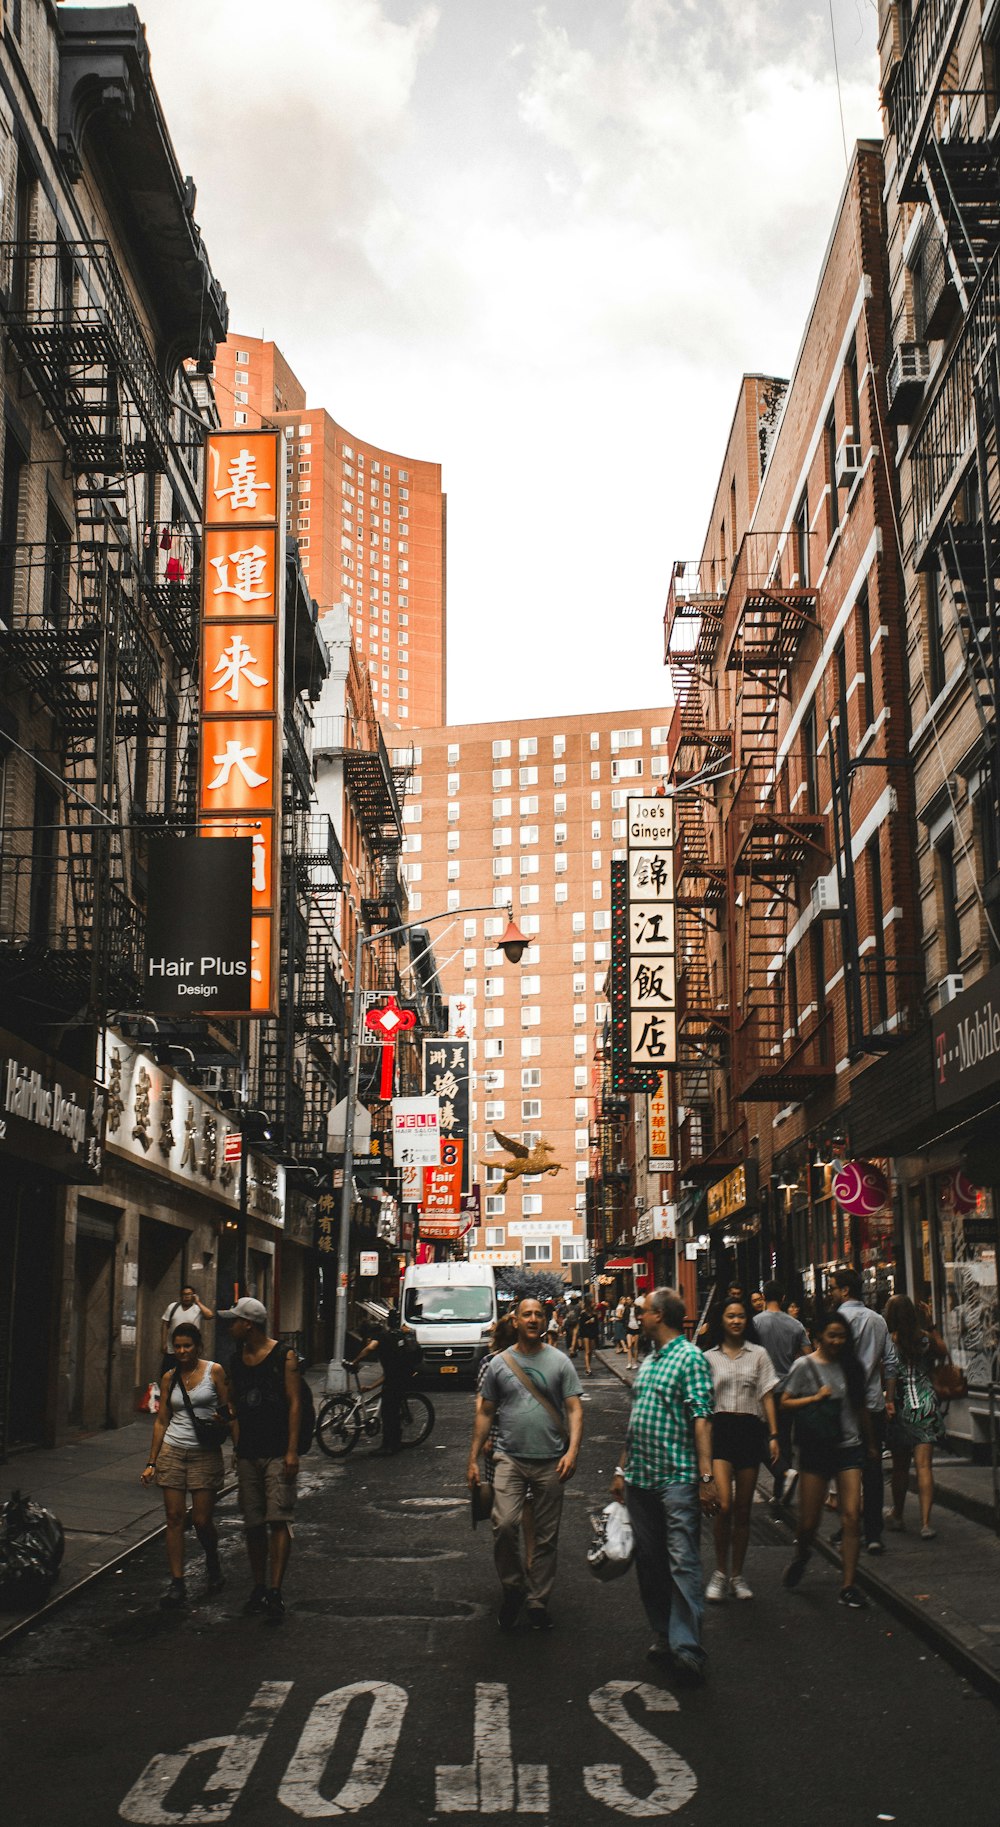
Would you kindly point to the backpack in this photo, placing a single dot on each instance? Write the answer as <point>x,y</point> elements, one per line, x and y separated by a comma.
<point>307,1404</point>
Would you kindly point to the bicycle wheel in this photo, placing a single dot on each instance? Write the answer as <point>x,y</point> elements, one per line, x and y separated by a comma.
<point>416,1418</point>
<point>338,1426</point>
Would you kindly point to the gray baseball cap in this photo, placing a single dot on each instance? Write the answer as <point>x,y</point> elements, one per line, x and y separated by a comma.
<point>246,1308</point>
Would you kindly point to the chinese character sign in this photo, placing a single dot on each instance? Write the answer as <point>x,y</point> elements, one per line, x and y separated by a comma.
<point>651,932</point>
<point>240,691</point>
<point>660,1157</point>
<point>416,1133</point>
<point>446,1077</point>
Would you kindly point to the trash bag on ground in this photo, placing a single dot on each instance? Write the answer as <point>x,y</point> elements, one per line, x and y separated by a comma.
<point>31,1549</point>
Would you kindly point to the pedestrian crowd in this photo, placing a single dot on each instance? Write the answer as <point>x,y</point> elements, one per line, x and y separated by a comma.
<point>817,1406</point>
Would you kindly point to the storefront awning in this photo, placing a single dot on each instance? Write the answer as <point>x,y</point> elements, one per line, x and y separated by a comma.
<point>623,1262</point>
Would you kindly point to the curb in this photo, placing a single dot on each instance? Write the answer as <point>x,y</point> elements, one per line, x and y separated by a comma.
<point>965,1660</point>
<point>59,1599</point>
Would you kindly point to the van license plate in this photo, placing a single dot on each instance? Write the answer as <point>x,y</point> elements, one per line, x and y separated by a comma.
<point>449,1370</point>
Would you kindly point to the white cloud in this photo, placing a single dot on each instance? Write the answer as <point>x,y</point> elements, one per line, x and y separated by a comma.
<point>538,246</point>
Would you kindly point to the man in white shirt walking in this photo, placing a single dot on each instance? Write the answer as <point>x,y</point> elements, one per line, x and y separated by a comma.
<point>877,1356</point>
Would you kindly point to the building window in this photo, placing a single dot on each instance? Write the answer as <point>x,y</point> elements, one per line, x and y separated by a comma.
<point>864,634</point>
<point>580,1078</point>
<point>454,869</point>
<point>559,776</point>
<point>501,778</point>
<point>527,777</point>
<point>531,1047</point>
<point>573,1249</point>
<point>501,750</point>
<point>934,624</point>
<point>948,888</point>
<point>538,1251</point>
<point>558,746</point>
<point>528,745</point>
<point>833,499</point>
<point>529,896</point>
<point>531,1109</point>
<point>562,889</point>
<point>453,755</point>
<point>495,1207</point>
<point>531,1077</point>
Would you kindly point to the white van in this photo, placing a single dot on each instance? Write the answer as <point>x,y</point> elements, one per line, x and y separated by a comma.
<point>451,1307</point>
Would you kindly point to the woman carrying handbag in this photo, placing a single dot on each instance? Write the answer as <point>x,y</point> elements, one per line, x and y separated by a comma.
<point>918,1421</point>
<point>825,1394</point>
<point>186,1456</point>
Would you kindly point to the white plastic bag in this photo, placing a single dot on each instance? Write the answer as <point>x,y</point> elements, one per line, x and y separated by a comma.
<point>613,1548</point>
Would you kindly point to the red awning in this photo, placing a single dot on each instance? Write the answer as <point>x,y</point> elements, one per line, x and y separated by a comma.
<point>622,1262</point>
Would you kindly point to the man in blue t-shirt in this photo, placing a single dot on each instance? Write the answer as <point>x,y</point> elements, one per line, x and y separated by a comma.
<point>533,1393</point>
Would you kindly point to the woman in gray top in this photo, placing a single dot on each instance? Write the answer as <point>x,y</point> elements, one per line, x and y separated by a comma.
<point>826,1396</point>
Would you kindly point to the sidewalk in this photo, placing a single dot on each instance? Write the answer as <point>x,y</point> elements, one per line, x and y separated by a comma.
<point>92,1485</point>
<point>948,1589</point>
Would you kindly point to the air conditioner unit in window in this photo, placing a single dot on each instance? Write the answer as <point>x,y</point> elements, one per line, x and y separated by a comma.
<point>823,898</point>
<point>906,380</point>
<point>847,466</point>
<point>950,987</point>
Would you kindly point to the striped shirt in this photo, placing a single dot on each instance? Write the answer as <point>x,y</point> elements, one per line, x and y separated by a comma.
<point>672,1390</point>
<point>740,1382</point>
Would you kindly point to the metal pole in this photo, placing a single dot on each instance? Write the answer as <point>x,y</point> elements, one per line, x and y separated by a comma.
<point>353,1076</point>
<point>241,1233</point>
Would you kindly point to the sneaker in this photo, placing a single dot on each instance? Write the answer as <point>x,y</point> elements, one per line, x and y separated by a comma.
<point>795,1569</point>
<point>688,1672</point>
<point>718,1587</point>
<point>875,1547</point>
<point>213,1570</point>
<point>927,1534</point>
<point>274,1605</point>
<point>739,1588</point>
<point>659,1649</point>
<point>256,1603</point>
<point>788,1488</point>
<point>538,1617</point>
<point>510,1606</point>
<point>174,1597</point>
<point>894,1522</point>
<point>852,1599</point>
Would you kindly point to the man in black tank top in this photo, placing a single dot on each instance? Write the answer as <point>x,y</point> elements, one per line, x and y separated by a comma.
<point>265,1382</point>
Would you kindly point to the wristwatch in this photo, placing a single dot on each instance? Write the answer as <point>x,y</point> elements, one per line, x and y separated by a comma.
<point>707,1478</point>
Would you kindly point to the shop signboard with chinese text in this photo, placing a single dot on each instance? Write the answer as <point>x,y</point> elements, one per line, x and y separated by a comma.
<point>416,1132</point>
<point>159,1122</point>
<point>660,1157</point>
<point>651,934</point>
<point>446,1077</point>
<point>240,702</point>
<point>728,1197</point>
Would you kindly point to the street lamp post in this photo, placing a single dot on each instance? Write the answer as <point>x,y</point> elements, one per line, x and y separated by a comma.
<point>512,943</point>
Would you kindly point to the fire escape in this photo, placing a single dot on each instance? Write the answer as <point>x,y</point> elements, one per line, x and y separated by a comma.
<point>697,752</point>
<point>769,845</point>
<point>949,162</point>
<point>91,623</point>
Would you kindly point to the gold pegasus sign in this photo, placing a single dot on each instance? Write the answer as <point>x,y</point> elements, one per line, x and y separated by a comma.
<point>526,1160</point>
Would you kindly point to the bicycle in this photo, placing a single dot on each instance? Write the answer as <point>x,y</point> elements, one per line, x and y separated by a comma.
<point>342,1419</point>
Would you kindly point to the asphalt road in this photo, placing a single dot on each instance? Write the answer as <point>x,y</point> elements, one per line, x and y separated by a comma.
<point>389,1692</point>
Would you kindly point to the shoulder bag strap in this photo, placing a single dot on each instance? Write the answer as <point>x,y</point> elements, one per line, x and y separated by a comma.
<point>543,1401</point>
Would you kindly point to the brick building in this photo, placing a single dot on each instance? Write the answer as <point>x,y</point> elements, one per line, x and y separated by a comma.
<point>939,69</point>
<point>799,959</point>
<point>370,527</point>
<point>528,815</point>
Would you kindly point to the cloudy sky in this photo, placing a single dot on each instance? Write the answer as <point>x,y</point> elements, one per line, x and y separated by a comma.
<point>538,243</point>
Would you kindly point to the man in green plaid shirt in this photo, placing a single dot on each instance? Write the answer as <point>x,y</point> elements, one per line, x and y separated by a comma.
<point>665,1477</point>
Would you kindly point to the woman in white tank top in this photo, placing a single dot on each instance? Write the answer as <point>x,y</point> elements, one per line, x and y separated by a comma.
<point>181,1464</point>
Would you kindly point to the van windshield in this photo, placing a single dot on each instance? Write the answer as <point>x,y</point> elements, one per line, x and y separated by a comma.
<point>444,1305</point>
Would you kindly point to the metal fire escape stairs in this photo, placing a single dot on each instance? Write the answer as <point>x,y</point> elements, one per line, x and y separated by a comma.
<point>959,179</point>
<point>82,351</point>
<point>769,845</point>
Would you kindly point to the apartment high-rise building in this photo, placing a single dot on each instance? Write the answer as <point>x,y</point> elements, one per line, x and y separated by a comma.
<point>528,815</point>
<point>370,526</point>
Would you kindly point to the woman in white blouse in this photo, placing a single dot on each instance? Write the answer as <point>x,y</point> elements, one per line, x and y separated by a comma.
<point>744,1428</point>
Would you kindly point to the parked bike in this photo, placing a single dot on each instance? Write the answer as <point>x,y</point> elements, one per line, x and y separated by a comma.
<point>343,1419</point>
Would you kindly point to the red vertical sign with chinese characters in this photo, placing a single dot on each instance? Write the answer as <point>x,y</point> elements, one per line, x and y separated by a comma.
<point>240,699</point>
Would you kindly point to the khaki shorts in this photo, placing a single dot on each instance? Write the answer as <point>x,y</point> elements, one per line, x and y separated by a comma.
<point>266,1495</point>
<point>189,1468</point>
